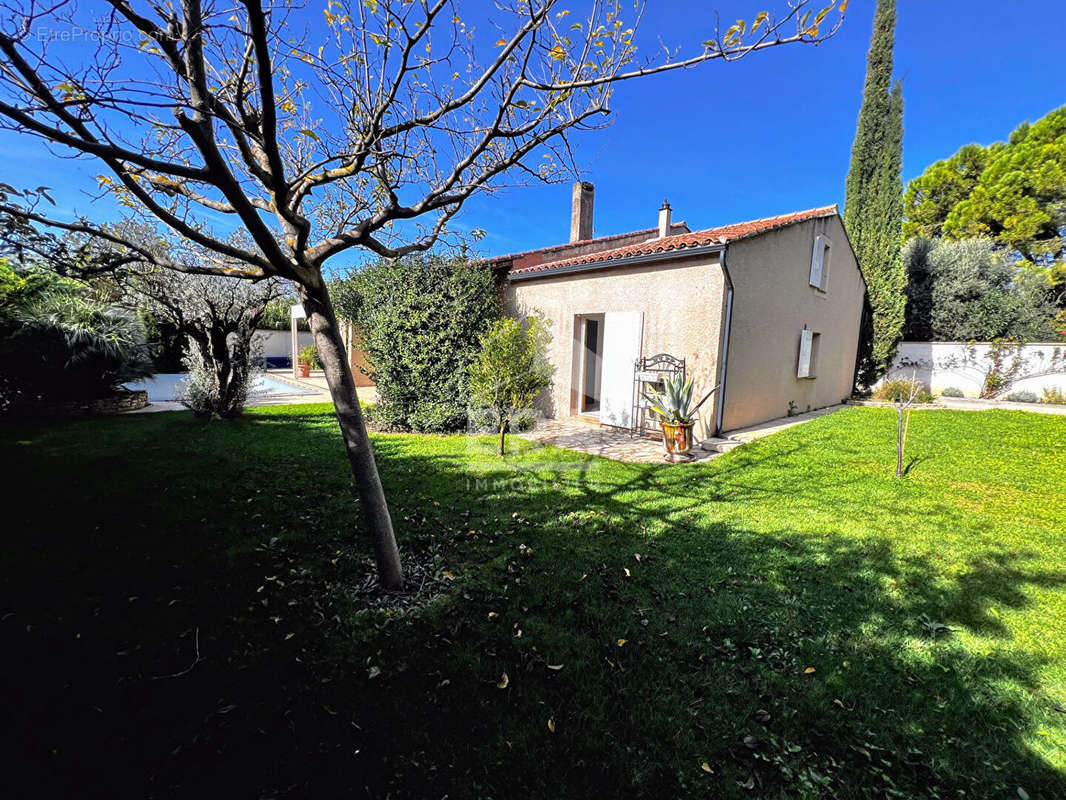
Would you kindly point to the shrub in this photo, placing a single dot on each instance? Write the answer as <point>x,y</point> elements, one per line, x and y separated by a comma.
<point>56,342</point>
<point>218,384</point>
<point>1022,396</point>
<point>1053,395</point>
<point>896,389</point>
<point>420,320</point>
<point>309,355</point>
<point>951,391</point>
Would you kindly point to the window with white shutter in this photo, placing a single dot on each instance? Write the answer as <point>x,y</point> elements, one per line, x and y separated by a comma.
<point>820,262</point>
<point>808,353</point>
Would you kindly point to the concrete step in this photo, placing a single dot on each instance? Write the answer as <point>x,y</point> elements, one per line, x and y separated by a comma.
<point>717,444</point>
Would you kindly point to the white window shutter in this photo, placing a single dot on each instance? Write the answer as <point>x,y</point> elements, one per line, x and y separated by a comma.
<point>804,368</point>
<point>816,260</point>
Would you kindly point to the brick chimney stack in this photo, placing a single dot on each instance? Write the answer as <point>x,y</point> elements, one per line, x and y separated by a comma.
<point>581,212</point>
<point>664,220</point>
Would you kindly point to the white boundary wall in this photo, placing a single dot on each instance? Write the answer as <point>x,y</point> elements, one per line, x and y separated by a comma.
<point>277,344</point>
<point>939,365</point>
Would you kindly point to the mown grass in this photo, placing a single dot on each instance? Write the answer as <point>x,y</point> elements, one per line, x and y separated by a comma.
<point>790,615</point>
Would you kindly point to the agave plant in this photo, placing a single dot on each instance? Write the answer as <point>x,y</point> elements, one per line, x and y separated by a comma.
<point>674,403</point>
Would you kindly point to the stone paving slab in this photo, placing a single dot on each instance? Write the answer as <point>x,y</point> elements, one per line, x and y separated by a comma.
<point>613,443</point>
<point>617,444</point>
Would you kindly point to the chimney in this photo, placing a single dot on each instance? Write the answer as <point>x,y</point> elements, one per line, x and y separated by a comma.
<point>581,212</point>
<point>664,220</point>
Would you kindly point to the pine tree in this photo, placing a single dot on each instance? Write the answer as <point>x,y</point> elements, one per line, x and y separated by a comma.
<point>873,206</point>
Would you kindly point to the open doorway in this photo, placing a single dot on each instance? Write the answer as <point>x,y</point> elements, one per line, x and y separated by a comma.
<point>591,363</point>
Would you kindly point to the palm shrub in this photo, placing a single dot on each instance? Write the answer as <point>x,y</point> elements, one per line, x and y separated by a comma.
<point>511,370</point>
<point>59,343</point>
<point>309,355</point>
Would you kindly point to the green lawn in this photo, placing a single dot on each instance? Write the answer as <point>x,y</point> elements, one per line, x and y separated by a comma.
<point>790,615</point>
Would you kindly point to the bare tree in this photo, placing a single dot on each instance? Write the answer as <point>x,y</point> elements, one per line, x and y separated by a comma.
<point>370,133</point>
<point>903,401</point>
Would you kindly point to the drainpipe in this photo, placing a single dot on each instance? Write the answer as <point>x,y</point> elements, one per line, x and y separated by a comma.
<point>723,357</point>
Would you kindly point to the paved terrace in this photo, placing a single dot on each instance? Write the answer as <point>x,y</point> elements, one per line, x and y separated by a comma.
<point>620,446</point>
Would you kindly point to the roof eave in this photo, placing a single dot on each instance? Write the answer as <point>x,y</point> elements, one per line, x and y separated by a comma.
<point>643,258</point>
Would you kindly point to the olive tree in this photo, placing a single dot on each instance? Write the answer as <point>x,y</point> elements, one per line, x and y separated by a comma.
<point>218,316</point>
<point>366,127</point>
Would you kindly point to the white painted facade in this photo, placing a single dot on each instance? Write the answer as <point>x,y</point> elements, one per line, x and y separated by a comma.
<point>940,365</point>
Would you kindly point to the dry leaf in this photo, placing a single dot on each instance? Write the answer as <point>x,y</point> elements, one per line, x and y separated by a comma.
<point>493,615</point>
<point>809,671</point>
<point>504,680</point>
<point>551,725</point>
<point>626,571</point>
<point>374,672</point>
<point>555,667</point>
<point>706,768</point>
<point>621,642</point>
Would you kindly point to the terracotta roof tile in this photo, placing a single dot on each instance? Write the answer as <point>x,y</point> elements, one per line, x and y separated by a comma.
<point>684,241</point>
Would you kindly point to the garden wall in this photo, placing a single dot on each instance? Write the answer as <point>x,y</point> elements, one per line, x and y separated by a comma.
<point>278,344</point>
<point>965,366</point>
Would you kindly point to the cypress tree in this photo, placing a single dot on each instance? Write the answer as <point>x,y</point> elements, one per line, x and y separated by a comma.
<point>873,204</point>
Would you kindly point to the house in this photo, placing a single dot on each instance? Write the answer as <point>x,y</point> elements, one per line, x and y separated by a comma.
<point>768,310</point>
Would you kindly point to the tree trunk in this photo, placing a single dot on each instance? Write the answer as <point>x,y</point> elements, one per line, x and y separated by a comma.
<point>503,435</point>
<point>899,443</point>
<point>220,362</point>
<point>338,372</point>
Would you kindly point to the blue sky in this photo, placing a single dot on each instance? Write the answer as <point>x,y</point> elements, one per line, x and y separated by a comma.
<point>767,135</point>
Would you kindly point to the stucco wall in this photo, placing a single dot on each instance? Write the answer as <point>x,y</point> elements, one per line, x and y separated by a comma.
<point>682,303</point>
<point>960,365</point>
<point>772,303</point>
<point>278,344</point>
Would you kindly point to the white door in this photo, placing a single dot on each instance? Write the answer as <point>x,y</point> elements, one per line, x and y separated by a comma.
<point>622,332</point>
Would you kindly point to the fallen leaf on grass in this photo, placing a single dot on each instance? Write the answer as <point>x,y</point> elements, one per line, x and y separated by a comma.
<point>809,671</point>
<point>621,642</point>
<point>493,615</point>
<point>626,569</point>
<point>706,768</point>
<point>555,667</point>
<point>373,672</point>
<point>504,680</point>
<point>551,725</point>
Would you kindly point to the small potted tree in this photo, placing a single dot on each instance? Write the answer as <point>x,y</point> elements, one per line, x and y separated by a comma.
<point>677,415</point>
<point>307,358</point>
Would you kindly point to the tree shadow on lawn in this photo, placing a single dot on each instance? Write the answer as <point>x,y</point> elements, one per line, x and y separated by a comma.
<point>699,652</point>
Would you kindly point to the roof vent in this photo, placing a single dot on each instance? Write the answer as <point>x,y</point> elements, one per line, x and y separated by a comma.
<point>664,220</point>
<point>581,212</point>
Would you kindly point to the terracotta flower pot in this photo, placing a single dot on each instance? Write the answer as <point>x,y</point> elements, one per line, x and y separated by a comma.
<point>677,436</point>
<point>305,370</point>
